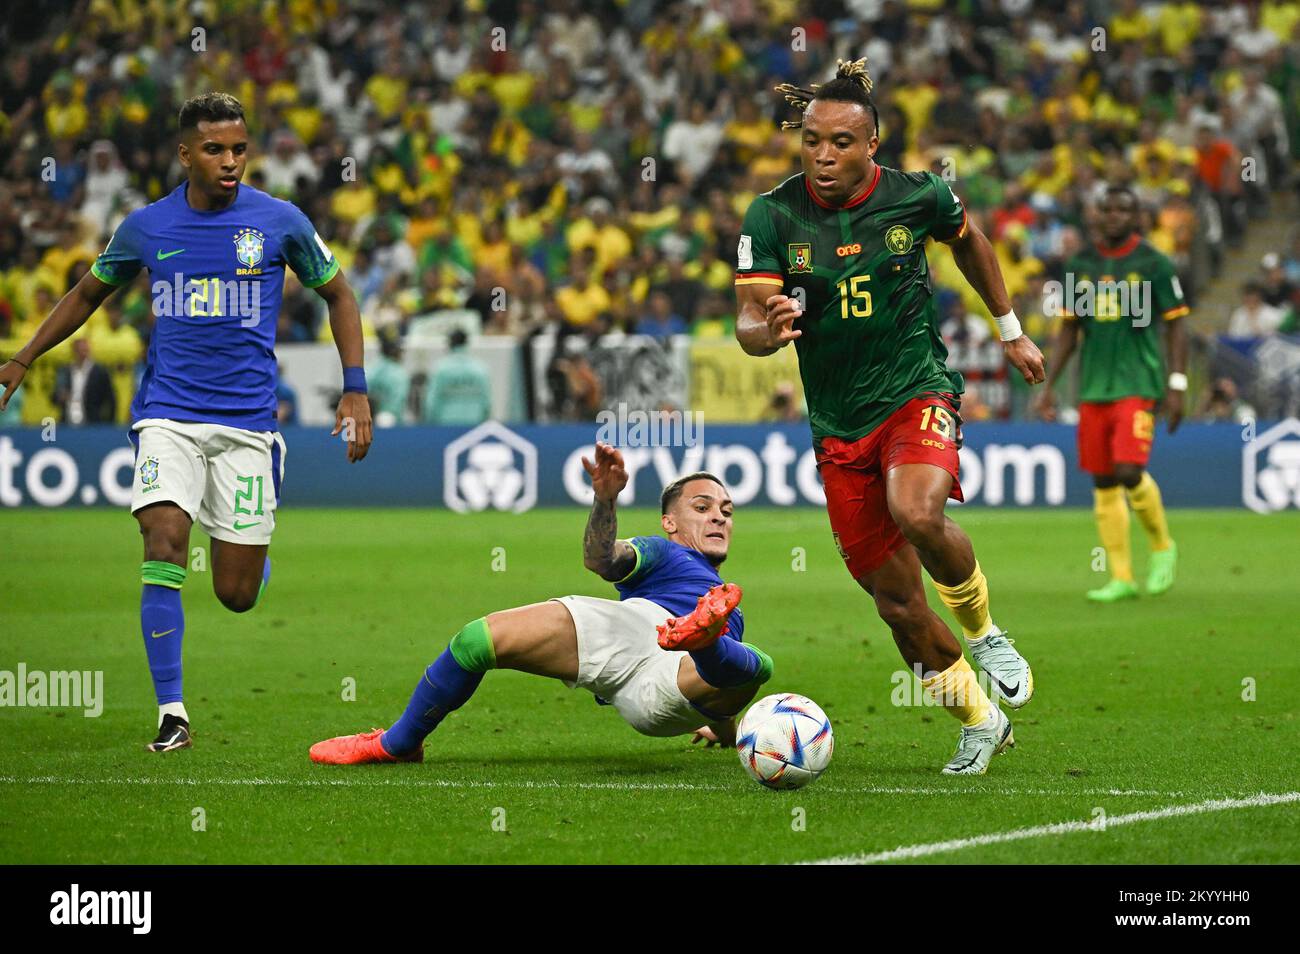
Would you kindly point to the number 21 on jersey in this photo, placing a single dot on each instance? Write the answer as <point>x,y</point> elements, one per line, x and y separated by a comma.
<point>854,298</point>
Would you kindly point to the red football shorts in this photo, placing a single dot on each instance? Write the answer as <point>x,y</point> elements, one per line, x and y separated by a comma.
<point>925,430</point>
<point>1115,432</point>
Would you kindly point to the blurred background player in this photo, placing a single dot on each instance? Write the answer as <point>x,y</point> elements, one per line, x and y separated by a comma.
<point>205,415</point>
<point>667,654</point>
<point>1123,381</point>
<point>847,236</point>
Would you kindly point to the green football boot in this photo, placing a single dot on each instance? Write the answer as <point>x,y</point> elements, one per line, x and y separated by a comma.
<point>1114,591</point>
<point>1164,565</point>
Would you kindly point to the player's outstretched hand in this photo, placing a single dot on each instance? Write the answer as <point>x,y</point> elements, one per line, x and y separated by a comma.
<point>1173,408</point>
<point>608,475</point>
<point>724,733</point>
<point>781,313</point>
<point>353,419</point>
<point>1025,358</point>
<point>11,375</point>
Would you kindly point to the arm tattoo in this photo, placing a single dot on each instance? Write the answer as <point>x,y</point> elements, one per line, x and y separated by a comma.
<point>602,553</point>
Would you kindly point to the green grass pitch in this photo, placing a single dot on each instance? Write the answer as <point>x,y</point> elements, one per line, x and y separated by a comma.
<point>1139,707</point>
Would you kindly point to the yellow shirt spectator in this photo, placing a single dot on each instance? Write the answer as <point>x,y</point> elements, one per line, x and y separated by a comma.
<point>388,93</point>
<point>1178,25</point>
<point>353,202</point>
<point>513,90</point>
<point>1108,109</point>
<point>916,102</point>
<point>581,305</point>
<point>1280,18</point>
<point>66,120</point>
<point>1131,26</point>
<point>610,243</point>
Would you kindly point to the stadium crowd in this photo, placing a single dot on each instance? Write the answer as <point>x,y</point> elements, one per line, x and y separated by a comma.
<point>555,163</point>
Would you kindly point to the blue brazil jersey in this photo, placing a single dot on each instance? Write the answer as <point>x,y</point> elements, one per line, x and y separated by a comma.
<point>216,282</point>
<point>673,576</point>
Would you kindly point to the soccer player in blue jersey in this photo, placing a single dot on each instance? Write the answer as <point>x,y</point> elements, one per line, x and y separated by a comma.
<point>667,655</point>
<point>204,418</point>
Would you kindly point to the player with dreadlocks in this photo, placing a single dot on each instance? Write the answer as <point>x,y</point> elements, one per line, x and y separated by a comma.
<point>833,259</point>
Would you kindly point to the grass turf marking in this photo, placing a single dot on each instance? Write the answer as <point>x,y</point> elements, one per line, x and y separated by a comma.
<point>1061,828</point>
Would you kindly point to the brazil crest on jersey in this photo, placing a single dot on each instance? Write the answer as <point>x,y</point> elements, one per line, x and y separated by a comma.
<point>1120,297</point>
<point>217,278</point>
<point>870,339</point>
<point>675,577</point>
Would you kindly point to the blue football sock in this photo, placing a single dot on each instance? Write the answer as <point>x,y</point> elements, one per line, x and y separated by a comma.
<point>727,663</point>
<point>445,686</point>
<point>162,623</point>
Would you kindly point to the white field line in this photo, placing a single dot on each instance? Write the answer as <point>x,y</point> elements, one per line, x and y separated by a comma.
<point>1061,828</point>
<point>358,781</point>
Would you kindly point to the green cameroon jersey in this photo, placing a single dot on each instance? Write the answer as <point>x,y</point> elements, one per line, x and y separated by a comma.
<point>870,339</point>
<point>1120,297</point>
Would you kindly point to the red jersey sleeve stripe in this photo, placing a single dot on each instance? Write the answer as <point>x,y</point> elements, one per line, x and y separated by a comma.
<point>961,232</point>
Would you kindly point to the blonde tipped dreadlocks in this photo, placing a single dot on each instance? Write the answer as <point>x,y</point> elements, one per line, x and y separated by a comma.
<point>852,84</point>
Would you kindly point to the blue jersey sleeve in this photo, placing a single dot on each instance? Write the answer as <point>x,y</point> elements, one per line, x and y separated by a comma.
<point>123,257</point>
<point>306,252</point>
<point>649,552</point>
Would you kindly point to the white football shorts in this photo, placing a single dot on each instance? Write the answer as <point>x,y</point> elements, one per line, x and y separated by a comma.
<point>620,661</point>
<point>226,478</point>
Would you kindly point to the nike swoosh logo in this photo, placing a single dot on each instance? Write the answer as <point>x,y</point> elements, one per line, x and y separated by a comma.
<point>1003,688</point>
<point>245,526</point>
<point>162,255</point>
<point>161,635</point>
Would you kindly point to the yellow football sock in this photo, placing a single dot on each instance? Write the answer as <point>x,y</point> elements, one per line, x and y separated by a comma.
<point>1150,509</point>
<point>958,691</point>
<point>969,603</point>
<point>1112,526</point>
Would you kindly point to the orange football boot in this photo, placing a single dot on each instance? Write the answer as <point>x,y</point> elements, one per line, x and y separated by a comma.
<point>703,625</point>
<point>361,749</point>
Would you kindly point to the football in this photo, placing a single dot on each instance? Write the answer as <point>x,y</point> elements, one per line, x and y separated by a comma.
<point>785,741</point>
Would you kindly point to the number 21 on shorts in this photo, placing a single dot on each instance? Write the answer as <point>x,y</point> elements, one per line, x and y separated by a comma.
<point>245,496</point>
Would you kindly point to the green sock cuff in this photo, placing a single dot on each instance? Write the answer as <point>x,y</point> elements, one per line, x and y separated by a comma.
<point>765,666</point>
<point>161,573</point>
<point>472,647</point>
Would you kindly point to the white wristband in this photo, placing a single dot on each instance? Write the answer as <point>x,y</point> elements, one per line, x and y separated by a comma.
<point>1178,381</point>
<point>1009,326</point>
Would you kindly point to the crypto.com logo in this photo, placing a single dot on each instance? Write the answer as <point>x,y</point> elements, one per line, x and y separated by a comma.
<point>1270,468</point>
<point>489,466</point>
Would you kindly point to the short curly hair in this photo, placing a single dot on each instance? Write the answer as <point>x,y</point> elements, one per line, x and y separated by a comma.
<point>209,107</point>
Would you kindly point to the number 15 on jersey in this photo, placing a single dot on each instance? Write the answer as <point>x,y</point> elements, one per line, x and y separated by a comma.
<point>855,300</point>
